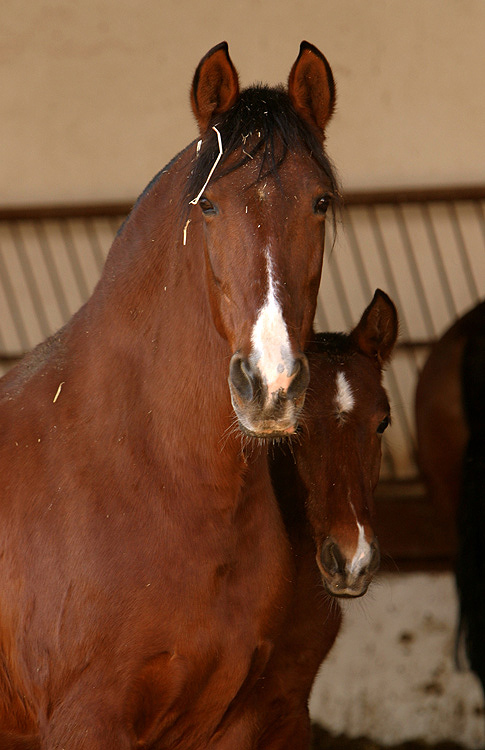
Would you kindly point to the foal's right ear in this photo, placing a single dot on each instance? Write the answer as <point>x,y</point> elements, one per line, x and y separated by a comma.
<point>376,333</point>
<point>311,88</point>
<point>215,87</point>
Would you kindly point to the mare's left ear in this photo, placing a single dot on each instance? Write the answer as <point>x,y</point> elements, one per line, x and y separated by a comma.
<point>311,87</point>
<point>376,333</point>
<point>215,87</point>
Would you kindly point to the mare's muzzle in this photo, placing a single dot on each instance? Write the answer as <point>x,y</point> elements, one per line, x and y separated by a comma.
<point>268,409</point>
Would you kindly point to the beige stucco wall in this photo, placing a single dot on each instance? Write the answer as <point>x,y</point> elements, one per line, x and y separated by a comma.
<point>94,94</point>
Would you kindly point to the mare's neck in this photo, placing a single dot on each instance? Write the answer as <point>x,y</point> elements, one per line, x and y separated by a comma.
<point>148,334</point>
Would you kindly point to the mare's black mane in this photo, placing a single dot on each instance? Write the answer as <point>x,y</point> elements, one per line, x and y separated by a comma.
<point>262,122</point>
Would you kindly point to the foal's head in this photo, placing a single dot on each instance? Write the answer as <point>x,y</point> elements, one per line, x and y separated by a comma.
<point>347,411</point>
<point>263,216</point>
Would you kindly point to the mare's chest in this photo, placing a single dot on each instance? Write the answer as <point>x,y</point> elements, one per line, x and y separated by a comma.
<point>221,635</point>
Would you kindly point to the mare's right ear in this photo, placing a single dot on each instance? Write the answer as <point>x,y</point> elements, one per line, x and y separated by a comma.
<point>215,87</point>
<point>311,88</point>
<point>376,332</point>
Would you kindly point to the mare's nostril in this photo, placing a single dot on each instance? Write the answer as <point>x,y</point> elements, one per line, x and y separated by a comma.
<point>241,378</point>
<point>301,378</point>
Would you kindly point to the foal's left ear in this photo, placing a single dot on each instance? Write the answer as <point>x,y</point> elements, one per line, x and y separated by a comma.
<point>311,87</point>
<point>215,87</point>
<point>376,333</point>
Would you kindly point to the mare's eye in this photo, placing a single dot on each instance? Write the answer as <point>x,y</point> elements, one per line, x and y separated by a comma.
<point>383,425</point>
<point>207,207</point>
<point>321,204</point>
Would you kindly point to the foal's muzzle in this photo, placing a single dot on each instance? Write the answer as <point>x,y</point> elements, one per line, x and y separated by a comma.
<point>346,577</point>
<point>268,409</point>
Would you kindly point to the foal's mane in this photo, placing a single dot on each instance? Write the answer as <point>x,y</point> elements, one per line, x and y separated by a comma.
<point>263,121</point>
<point>333,345</point>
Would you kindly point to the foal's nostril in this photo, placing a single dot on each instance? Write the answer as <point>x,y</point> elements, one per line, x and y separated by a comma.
<point>331,558</point>
<point>375,559</point>
<point>241,378</point>
<point>301,378</point>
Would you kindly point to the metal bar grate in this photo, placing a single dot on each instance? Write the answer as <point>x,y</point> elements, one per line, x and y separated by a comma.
<point>426,249</point>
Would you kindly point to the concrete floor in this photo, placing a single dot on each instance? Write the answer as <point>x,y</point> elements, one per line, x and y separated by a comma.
<point>391,675</point>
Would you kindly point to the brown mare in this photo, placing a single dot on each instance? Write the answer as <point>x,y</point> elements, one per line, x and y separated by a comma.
<point>148,582</point>
<point>450,420</point>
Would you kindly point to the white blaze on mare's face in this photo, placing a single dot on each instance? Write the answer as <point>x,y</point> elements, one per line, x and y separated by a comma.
<point>270,343</point>
<point>344,400</point>
<point>363,553</point>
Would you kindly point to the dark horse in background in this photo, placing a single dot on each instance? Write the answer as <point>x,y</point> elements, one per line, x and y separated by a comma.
<point>450,419</point>
<point>149,587</point>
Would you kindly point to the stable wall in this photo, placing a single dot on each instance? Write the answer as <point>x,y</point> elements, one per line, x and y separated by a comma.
<point>94,95</point>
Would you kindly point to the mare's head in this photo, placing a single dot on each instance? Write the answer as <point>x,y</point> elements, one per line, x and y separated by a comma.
<point>261,185</point>
<point>347,411</point>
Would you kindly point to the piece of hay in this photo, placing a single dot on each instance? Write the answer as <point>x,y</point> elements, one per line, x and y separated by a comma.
<point>221,151</point>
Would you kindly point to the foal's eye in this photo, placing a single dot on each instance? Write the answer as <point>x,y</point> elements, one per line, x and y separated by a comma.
<point>207,207</point>
<point>383,425</point>
<point>321,204</point>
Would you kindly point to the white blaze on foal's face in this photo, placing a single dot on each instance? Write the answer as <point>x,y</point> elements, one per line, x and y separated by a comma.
<point>363,551</point>
<point>270,343</point>
<point>344,403</point>
<point>344,399</point>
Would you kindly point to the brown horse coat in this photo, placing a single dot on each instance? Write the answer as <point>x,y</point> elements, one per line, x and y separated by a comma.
<point>146,573</point>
